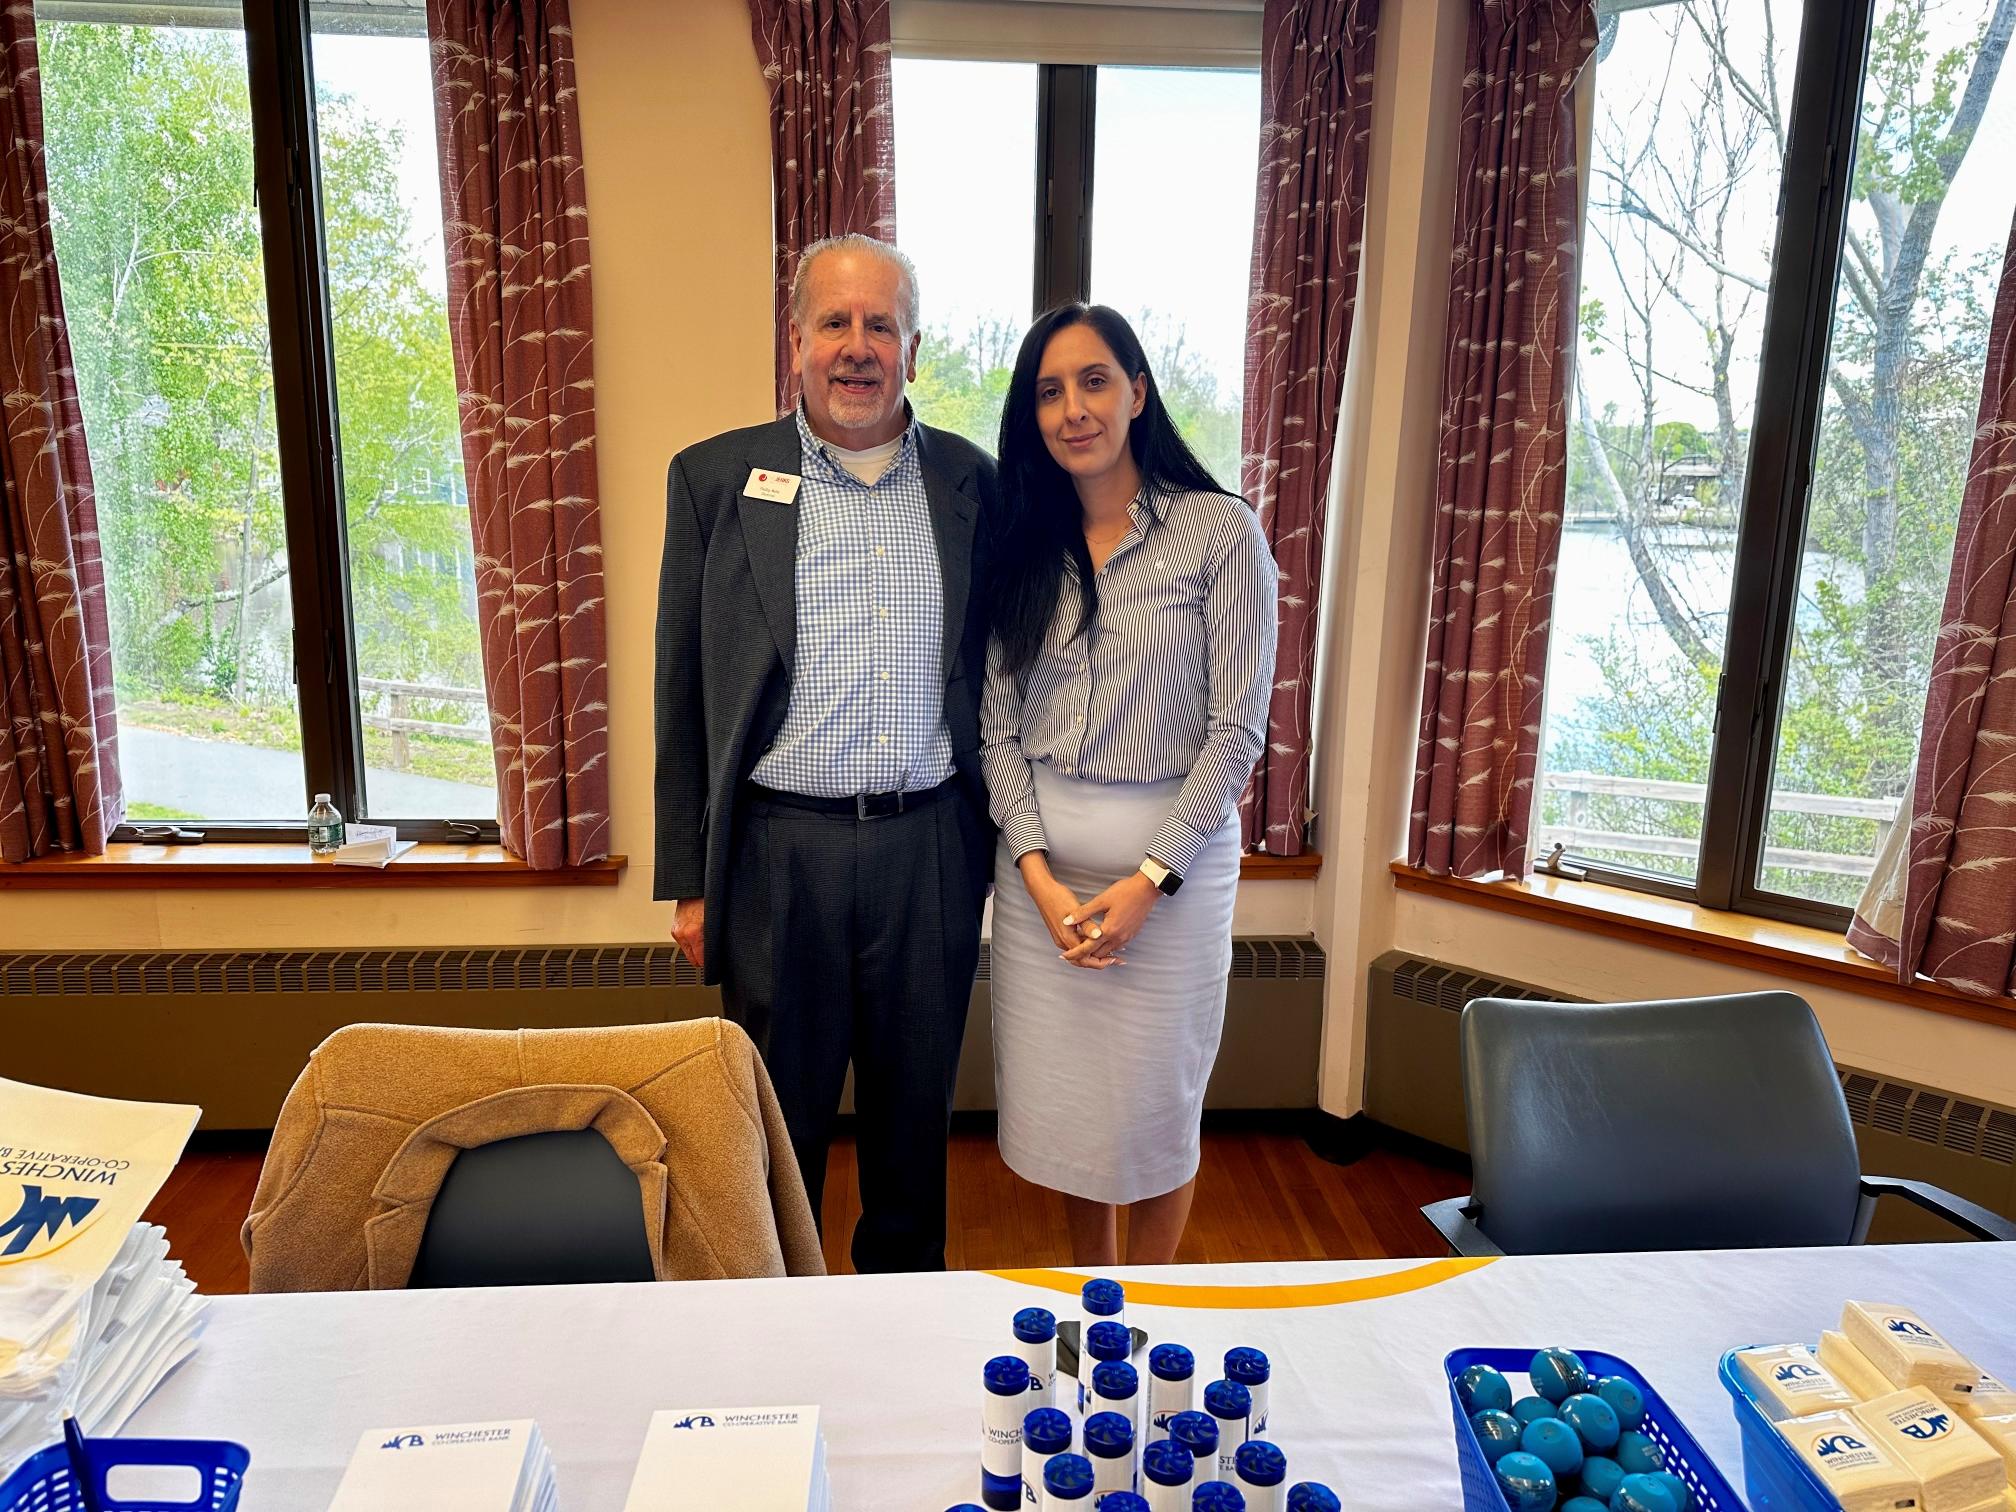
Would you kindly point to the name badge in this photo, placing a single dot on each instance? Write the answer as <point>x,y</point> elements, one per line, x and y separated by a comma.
<point>777,487</point>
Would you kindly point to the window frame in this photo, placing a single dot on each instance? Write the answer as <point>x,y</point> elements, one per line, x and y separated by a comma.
<point>288,188</point>
<point>1814,200</point>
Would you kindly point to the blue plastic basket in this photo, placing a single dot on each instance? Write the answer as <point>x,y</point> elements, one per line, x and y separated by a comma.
<point>1684,1457</point>
<point>43,1482</point>
<point>1774,1477</point>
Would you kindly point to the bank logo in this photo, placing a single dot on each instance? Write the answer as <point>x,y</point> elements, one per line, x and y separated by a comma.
<point>1838,1443</point>
<point>697,1420</point>
<point>1933,1425</point>
<point>1909,1329</point>
<point>404,1441</point>
<point>39,1216</point>
<point>1796,1372</point>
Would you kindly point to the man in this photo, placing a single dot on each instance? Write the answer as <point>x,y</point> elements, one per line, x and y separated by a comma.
<point>822,822</point>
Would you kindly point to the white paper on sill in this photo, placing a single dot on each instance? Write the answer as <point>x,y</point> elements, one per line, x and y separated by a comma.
<point>371,845</point>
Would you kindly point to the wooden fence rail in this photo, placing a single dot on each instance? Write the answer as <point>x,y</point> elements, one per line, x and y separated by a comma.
<point>397,721</point>
<point>1579,833</point>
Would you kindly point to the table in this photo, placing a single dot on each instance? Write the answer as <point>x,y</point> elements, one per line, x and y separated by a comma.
<point>1358,1396</point>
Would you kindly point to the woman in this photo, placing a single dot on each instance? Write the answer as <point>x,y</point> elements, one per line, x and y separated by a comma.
<point>1131,660</point>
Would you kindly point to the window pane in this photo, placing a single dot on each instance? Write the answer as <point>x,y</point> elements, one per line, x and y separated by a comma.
<point>405,505</point>
<point>149,135</point>
<point>966,215</point>
<point>1925,240</point>
<point>1174,170</point>
<point>1688,145</point>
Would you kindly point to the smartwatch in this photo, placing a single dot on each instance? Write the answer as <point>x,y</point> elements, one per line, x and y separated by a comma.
<point>1164,879</point>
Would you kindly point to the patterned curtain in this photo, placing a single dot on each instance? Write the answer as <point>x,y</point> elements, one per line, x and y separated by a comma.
<point>1958,923</point>
<point>516,211</point>
<point>59,744</point>
<point>832,134</point>
<point>1316,123</point>
<point>1503,468</point>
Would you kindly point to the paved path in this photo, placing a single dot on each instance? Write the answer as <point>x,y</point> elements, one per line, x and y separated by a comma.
<point>216,779</point>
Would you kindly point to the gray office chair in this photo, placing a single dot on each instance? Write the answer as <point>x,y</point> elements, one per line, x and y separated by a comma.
<point>535,1209</point>
<point>1697,1123</point>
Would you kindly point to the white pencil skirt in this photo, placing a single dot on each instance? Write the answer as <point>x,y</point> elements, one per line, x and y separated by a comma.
<point>1099,1075</point>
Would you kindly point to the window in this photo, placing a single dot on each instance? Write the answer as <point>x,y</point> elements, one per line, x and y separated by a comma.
<point>149,152</point>
<point>269,401</point>
<point>966,213</point>
<point>1189,138</point>
<point>1022,186</point>
<point>405,504</point>
<point>1774,405</point>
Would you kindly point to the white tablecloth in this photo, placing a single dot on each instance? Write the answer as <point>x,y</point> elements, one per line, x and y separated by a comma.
<point>1358,1400</point>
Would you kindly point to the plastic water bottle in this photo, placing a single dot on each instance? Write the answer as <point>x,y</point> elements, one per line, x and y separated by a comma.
<point>1067,1484</point>
<point>325,826</point>
<point>1313,1496</point>
<point>1123,1501</point>
<point>1006,1378</point>
<point>1261,1474</point>
<point>1036,1342</point>
<point>1217,1496</point>
<point>1045,1432</point>
<point>1232,1406</point>
<point>1167,1469</point>
<point>1109,1444</point>
<point>1250,1369</point>
<point>1172,1381</point>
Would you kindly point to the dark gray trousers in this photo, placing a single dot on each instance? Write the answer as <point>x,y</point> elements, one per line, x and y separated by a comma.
<point>858,939</point>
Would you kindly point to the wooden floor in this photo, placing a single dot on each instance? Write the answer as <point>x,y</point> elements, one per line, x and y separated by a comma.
<point>1262,1195</point>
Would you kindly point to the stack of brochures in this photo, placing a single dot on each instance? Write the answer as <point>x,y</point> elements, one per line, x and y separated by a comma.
<point>93,1312</point>
<point>732,1459</point>
<point>454,1467</point>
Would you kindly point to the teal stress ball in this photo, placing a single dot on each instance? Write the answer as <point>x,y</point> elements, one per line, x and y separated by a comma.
<point>1682,1497</point>
<point>1527,1482</point>
<point>1583,1504</point>
<point>1638,1455</point>
<point>1594,1419</point>
<point>1497,1433</point>
<point>1643,1493</point>
<point>1554,1442</point>
<point>1532,1409</point>
<point>1481,1387</point>
<point>1601,1477</point>
<point>1625,1399</point>
<point>1558,1374</point>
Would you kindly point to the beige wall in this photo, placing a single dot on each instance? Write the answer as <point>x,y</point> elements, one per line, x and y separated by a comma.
<point>673,118</point>
<point>1376,604</point>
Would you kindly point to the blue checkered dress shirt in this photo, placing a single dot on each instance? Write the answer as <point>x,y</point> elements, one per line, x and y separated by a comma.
<point>867,710</point>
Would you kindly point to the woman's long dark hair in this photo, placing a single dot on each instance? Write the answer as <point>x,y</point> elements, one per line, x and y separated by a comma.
<point>1042,534</point>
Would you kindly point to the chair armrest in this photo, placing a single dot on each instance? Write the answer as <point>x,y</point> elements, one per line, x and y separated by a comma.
<point>1456,1222</point>
<point>1972,1217</point>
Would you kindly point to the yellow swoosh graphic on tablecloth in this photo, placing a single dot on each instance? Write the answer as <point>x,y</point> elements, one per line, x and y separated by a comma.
<point>1230,1297</point>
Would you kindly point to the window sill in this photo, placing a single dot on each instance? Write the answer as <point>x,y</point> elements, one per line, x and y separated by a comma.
<point>1788,950</point>
<point>225,865</point>
<point>1256,867</point>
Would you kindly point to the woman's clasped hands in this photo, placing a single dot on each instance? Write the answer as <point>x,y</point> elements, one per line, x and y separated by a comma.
<point>1093,934</point>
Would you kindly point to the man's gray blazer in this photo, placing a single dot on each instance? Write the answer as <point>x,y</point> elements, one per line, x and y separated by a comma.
<point>727,630</point>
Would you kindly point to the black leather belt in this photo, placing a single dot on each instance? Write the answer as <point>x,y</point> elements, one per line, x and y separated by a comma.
<point>861,806</point>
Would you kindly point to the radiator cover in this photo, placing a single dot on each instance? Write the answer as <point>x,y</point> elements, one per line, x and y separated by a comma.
<point>230,1030</point>
<point>1414,1082</point>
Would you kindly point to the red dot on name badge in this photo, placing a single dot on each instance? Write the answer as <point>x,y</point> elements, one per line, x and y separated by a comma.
<point>762,477</point>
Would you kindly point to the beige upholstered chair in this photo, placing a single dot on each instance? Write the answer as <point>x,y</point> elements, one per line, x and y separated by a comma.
<point>380,1116</point>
